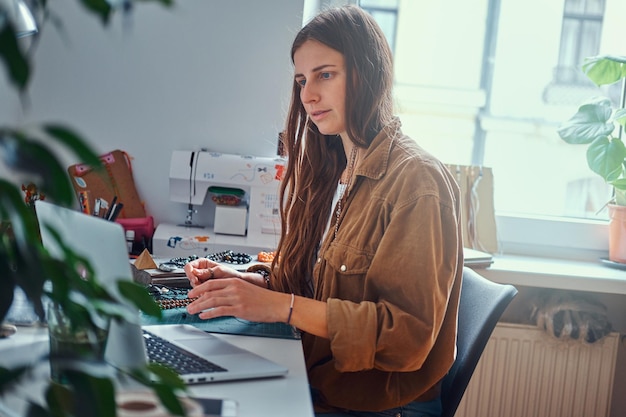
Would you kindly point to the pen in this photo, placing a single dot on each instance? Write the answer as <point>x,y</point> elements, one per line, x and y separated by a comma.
<point>116,211</point>
<point>110,209</point>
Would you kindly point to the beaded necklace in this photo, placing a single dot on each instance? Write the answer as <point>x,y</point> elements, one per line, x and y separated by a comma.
<point>351,164</point>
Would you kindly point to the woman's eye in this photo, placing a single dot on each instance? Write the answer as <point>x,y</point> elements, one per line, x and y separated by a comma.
<point>301,82</point>
<point>325,75</point>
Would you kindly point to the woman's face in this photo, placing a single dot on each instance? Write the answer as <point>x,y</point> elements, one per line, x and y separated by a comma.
<point>321,74</point>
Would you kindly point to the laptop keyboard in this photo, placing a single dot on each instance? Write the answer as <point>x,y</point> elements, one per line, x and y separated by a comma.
<point>180,360</point>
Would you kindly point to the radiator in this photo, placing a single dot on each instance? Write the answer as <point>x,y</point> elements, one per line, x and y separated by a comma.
<point>524,372</point>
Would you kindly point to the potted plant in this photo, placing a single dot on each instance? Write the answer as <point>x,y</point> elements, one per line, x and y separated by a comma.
<point>599,125</point>
<point>24,262</point>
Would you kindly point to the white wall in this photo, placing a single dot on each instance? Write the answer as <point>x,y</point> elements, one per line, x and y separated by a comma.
<point>206,73</point>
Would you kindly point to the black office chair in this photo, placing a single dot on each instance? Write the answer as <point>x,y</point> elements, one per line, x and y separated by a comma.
<point>481,305</point>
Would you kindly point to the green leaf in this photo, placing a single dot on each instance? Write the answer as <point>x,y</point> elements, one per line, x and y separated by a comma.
<point>59,399</point>
<point>14,60</point>
<point>138,295</point>
<point>169,399</point>
<point>113,310</point>
<point>74,142</point>
<point>619,183</point>
<point>21,217</point>
<point>166,3</point>
<point>604,69</point>
<point>163,381</point>
<point>10,377</point>
<point>620,116</point>
<point>95,396</point>
<point>28,155</point>
<point>589,123</point>
<point>100,8</point>
<point>605,157</point>
<point>7,288</point>
<point>167,376</point>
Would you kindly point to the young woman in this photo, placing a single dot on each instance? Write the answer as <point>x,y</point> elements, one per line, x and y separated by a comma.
<point>370,256</point>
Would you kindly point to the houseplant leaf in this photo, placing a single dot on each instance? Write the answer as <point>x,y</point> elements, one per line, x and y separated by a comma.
<point>590,122</point>
<point>605,69</point>
<point>620,117</point>
<point>605,157</point>
<point>14,60</point>
<point>140,297</point>
<point>7,284</point>
<point>8,376</point>
<point>12,208</point>
<point>619,183</point>
<point>100,8</point>
<point>25,154</point>
<point>74,142</point>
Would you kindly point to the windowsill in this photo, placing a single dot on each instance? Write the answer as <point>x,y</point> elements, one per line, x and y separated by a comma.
<point>556,273</point>
<point>552,237</point>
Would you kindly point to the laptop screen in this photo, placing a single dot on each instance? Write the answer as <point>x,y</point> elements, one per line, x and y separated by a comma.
<point>103,244</point>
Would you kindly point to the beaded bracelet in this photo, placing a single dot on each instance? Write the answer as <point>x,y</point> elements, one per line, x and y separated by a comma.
<point>293,297</point>
<point>266,276</point>
<point>263,271</point>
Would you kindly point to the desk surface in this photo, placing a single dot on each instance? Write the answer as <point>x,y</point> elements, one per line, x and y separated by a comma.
<point>284,396</point>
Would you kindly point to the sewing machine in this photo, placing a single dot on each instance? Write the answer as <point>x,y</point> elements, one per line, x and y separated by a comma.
<point>250,226</point>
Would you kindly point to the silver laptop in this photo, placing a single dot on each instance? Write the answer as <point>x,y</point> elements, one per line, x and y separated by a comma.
<point>103,243</point>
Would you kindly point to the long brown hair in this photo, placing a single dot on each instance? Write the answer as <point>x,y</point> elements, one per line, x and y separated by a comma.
<point>315,161</point>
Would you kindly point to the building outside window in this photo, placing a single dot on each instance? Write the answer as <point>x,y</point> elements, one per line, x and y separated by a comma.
<point>580,37</point>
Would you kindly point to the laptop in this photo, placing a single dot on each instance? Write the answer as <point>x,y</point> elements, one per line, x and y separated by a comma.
<point>103,243</point>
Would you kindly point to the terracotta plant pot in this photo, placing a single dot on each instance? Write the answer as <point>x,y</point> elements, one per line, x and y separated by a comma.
<point>617,233</point>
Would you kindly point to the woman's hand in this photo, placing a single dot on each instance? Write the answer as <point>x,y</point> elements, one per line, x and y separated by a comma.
<point>203,269</point>
<point>246,296</point>
<point>239,298</point>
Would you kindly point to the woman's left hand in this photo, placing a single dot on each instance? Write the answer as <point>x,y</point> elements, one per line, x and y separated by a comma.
<point>239,298</point>
<point>203,269</point>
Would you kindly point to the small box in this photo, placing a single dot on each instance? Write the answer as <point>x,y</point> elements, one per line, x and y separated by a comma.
<point>230,220</point>
<point>173,241</point>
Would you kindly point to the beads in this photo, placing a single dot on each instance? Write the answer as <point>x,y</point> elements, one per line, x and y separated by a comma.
<point>266,256</point>
<point>230,257</point>
<point>168,304</point>
<point>181,261</point>
<point>168,298</point>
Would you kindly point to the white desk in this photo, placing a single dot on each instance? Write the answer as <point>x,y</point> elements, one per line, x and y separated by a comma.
<point>284,396</point>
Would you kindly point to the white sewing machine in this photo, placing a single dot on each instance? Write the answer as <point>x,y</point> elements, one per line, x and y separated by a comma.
<point>251,226</point>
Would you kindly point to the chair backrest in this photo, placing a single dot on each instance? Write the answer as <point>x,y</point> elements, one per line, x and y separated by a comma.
<point>481,305</point>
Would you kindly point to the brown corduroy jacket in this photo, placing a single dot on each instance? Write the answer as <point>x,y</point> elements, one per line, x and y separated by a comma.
<point>391,279</point>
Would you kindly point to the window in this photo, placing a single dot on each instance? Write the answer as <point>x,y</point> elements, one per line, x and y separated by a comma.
<point>386,14</point>
<point>581,34</point>
<point>580,38</point>
<point>488,82</point>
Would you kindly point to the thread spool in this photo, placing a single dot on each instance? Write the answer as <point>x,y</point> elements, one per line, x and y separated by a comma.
<point>147,404</point>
